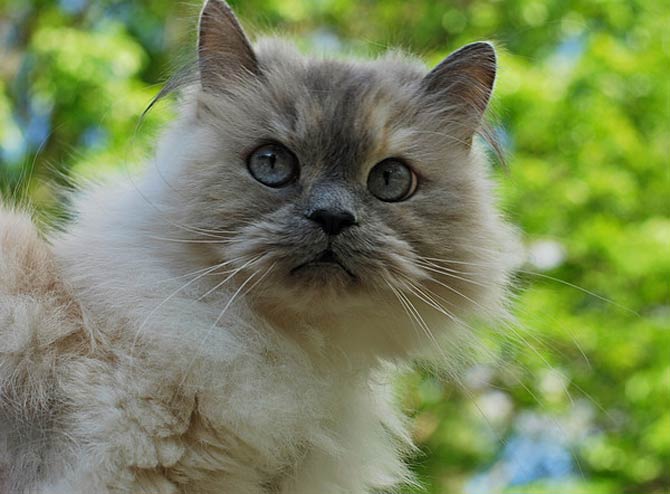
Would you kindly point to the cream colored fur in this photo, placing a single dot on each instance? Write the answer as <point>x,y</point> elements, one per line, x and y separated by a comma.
<point>127,367</point>
<point>247,411</point>
<point>128,398</point>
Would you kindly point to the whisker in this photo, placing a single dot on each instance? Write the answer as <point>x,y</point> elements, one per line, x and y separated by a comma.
<point>535,337</point>
<point>583,290</point>
<point>172,295</point>
<point>422,323</point>
<point>402,303</point>
<point>163,216</point>
<point>165,280</point>
<point>428,260</point>
<point>258,281</point>
<point>431,302</point>
<point>453,372</point>
<point>541,275</point>
<point>222,240</point>
<point>457,292</point>
<point>450,274</point>
<point>219,285</point>
<point>216,322</point>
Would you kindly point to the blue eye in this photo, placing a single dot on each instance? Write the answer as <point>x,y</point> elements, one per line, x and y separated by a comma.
<point>273,165</point>
<point>392,180</point>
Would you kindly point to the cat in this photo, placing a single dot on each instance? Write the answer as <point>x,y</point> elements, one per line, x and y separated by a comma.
<point>228,322</point>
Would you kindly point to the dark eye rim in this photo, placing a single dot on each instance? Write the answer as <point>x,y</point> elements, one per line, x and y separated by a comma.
<point>414,184</point>
<point>268,143</point>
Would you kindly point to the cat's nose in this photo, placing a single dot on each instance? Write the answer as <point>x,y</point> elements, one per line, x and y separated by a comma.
<point>332,221</point>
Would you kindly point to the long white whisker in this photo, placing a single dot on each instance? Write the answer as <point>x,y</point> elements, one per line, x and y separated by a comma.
<point>469,299</point>
<point>172,295</point>
<point>218,319</point>
<point>231,275</point>
<point>428,300</point>
<point>222,240</point>
<point>402,303</point>
<point>540,275</point>
<point>439,270</point>
<point>427,260</point>
<point>257,282</point>
<point>517,379</point>
<point>422,323</point>
<point>187,275</point>
<point>583,290</point>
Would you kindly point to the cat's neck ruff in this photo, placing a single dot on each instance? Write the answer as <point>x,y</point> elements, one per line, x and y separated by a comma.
<point>125,261</point>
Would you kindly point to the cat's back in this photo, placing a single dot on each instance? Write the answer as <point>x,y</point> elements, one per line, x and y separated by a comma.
<point>40,324</point>
<point>32,293</point>
<point>36,309</point>
<point>25,261</point>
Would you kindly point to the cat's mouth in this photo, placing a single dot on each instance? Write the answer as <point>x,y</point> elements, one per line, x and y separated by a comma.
<point>326,259</point>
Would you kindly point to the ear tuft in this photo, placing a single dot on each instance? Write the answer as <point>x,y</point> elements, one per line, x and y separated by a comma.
<point>464,82</point>
<point>224,52</point>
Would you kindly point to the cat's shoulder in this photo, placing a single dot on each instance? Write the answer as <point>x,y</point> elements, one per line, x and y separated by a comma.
<point>39,324</point>
<point>35,304</point>
<point>24,256</point>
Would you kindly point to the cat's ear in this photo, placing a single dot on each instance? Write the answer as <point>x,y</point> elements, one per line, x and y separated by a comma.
<point>224,52</point>
<point>462,84</point>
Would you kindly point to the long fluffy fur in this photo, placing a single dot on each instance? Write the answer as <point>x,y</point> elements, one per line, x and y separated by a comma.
<point>159,344</point>
<point>245,411</point>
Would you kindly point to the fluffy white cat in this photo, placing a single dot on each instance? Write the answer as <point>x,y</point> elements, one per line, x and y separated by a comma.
<point>226,323</point>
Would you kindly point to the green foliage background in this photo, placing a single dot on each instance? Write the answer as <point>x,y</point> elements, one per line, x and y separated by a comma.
<point>578,399</point>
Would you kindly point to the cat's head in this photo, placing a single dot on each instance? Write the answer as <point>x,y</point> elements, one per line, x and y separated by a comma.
<point>338,185</point>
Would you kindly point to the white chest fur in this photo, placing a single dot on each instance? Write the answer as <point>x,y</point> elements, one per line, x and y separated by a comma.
<point>182,397</point>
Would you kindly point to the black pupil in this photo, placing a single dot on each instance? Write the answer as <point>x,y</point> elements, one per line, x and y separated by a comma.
<point>391,180</point>
<point>272,165</point>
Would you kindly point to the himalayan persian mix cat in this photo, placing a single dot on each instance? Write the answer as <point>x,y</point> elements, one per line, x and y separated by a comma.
<point>225,324</point>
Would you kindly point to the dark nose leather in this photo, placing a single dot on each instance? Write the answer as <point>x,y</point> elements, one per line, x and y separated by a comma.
<point>332,221</point>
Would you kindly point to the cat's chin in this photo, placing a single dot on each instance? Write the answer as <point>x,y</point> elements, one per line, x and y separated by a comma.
<point>320,277</point>
<point>319,284</point>
<point>324,266</point>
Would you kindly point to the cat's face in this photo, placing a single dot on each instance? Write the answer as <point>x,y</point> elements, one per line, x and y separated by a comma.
<point>337,180</point>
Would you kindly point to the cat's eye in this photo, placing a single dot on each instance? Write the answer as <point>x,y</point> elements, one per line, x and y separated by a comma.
<point>392,180</point>
<point>273,165</point>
